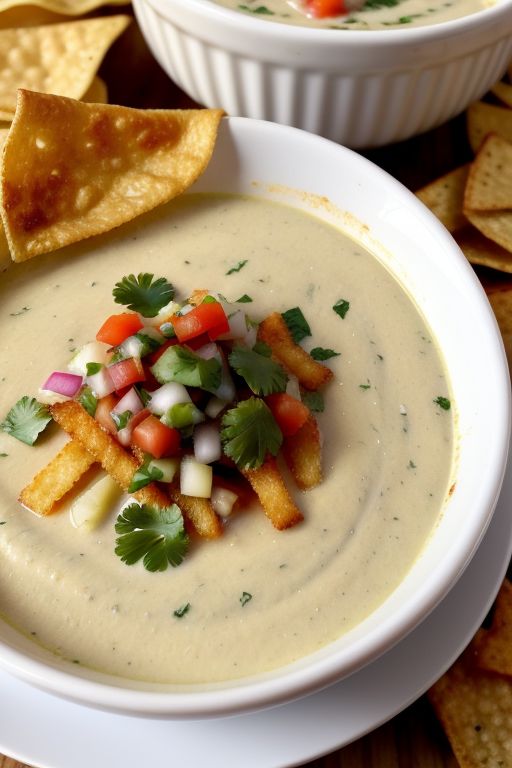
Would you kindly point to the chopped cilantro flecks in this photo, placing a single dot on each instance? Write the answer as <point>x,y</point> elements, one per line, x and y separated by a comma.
<point>261,9</point>
<point>297,324</point>
<point>443,403</point>
<point>262,374</point>
<point>249,432</point>
<point>237,267</point>
<point>88,400</point>
<point>341,307</point>
<point>121,419</point>
<point>26,420</point>
<point>314,401</point>
<point>144,475</point>
<point>245,598</point>
<point>182,610</point>
<point>3,522</point>
<point>157,535</point>
<point>319,353</point>
<point>19,312</point>
<point>142,294</point>
<point>167,330</point>
<point>92,368</point>
<point>411,464</point>
<point>365,386</point>
<point>184,366</point>
<point>245,299</point>
<point>3,455</point>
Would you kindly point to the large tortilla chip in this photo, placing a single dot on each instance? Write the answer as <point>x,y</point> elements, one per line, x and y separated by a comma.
<point>64,7</point>
<point>483,119</point>
<point>495,225</point>
<point>489,184</point>
<point>58,58</point>
<point>97,93</point>
<point>71,170</point>
<point>5,255</point>
<point>495,648</point>
<point>501,302</point>
<point>445,197</point>
<point>478,249</point>
<point>503,92</point>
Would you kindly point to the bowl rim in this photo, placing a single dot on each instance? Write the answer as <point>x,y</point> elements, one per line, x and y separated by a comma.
<point>294,681</point>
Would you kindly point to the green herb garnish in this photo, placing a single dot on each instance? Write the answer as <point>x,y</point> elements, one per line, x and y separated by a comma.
<point>19,312</point>
<point>341,307</point>
<point>26,420</point>
<point>245,299</point>
<point>365,386</point>
<point>297,324</point>
<point>182,610</point>
<point>157,535</point>
<point>144,475</point>
<point>261,9</point>
<point>149,343</point>
<point>184,366</point>
<point>262,374</point>
<point>92,368</point>
<point>237,267</point>
<point>443,403</point>
<point>142,294</point>
<point>249,432</point>
<point>314,401</point>
<point>182,415</point>
<point>121,419</point>
<point>167,329</point>
<point>88,400</point>
<point>319,353</point>
<point>245,598</point>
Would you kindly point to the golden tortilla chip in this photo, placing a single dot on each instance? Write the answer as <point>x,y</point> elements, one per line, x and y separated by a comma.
<point>495,648</point>
<point>72,170</point>
<point>503,92</point>
<point>495,225</point>
<point>478,249</point>
<point>58,58</point>
<point>445,197</point>
<point>489,183</point>
<point>97,92</point>
<point>485,118</point>
<point>474,708</point>
<point>64,7</point>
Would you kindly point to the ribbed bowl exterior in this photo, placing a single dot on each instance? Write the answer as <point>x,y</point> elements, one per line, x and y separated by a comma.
<point>398,96</point>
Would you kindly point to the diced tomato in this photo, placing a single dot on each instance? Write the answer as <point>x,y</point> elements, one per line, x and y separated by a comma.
<point>150,383</point>
<point>289,412</point>
<point>157,354</point>
<point>126,372</point>
<point>117,328</point>
<point>102,414</point>
<point>208,316</point>
<point>198,342</point>
<point>153,437</point>
<point>320,9</point>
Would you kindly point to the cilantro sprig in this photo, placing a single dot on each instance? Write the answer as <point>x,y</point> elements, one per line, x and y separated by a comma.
<point>262,374</point>
<point>143,294</point>
<point>26,420</point>
<point>297,324</point>
<point>249,432</point>
<point>155,535</point>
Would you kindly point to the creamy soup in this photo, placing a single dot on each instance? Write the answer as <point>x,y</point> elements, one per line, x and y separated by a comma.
<point>387,453</point>
<point>373,14</point>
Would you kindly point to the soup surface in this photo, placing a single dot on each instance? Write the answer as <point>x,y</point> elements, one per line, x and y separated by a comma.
<point>258,598</point>
<point>371,14</point>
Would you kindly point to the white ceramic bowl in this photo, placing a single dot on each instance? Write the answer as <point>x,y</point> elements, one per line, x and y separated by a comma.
<point>275,162</point>
<point>360,88</point>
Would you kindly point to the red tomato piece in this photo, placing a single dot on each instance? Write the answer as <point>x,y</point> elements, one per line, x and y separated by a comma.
<point>117,328</point>
<point>201,319</point>
<point>126,372</point>
<point>102,414</point>
<point>153,437</point>
<point>289,412</point>
<point>198,341</point>
<point>320,9</point>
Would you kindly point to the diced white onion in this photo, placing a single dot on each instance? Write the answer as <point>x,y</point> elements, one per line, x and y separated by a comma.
<point>237,326</point>
<point>208,351</point>
<point>207,446</point>
<point>251,336</point>
<point>292,386</point>
<point>166,396</point>
<point>131,347</point>
<point>223,501</point>
<point>93,352</point>
<point>101,383</point>
<point>165,313</point>
<point>168,468</point>
<point>214,407</point>
<point>92,507</point>
<point>50,398</point>
<point>186,308</point>
<point>129,402</point>
<point>195,478</point>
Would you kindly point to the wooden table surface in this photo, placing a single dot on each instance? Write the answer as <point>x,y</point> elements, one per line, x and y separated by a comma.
<point>413,739</point>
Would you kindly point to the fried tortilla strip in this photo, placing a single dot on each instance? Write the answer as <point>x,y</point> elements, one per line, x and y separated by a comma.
<point>273,494</point>
<point>495,649</point>
<point>56,478</point>
<point>274,332</point>
<point>474,708</point>
<point>121,466</point>
<point>303,455</point>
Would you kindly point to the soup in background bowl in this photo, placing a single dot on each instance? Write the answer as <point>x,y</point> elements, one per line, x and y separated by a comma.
<point>414,447</point>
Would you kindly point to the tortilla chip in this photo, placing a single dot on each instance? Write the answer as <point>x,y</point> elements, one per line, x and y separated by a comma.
<point>64,7</point>
<point>485,118</point>
<point>478,249</point>
<point>503,92</point>
<point>5,254</point>
<point>489,183</point>
<point>445,197</point>
<point>278,505</point>
<point>97,93</point>
<point>57,58</point>
<point>495,648</point>
<point>495,225</point>
<point>72,170</point>
<point>474,708</point>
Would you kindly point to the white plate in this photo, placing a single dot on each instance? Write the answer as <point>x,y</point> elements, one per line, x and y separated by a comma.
<point>49,732</point>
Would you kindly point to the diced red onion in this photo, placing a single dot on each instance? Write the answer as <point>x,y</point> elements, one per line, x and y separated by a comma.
<point>63,383</point>
<point>207,446</point>
<point>101,383</point>
<point>166,396</point>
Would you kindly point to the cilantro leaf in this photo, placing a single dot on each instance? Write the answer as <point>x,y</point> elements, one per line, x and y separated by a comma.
<point>319,353</point>
<point>443,403</point>
<point>245,299</point>
<point>341,307</point>
<point>184,366</point>
<point>262,374</point>
<point>26,420</point>
<point>245,598</point>
<point>237,267</point>
<point>142,294</point>
<point>249,432</point>
<point>144,475</point>
<point>155,534</point>
<point>314,401</point>
<point>297,324</point>
<point>92,368</point>
<point>88,400</point>
<point>182,610</point>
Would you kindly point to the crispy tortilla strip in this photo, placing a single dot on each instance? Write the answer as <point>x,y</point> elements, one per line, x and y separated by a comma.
<point>121,466</point>
<point>495,648</point>
<point>474,708</point>
<point>303,455</point>
<point>445,198</point>
<point>478,249</point>
<point>489,183</point>
<point>72,170</point>
<point>485,118</point>
<point>55,58</point>
<point>56,479</point>
<point>503,92</point>
<point>273,494</point>
<point>274,332</point>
